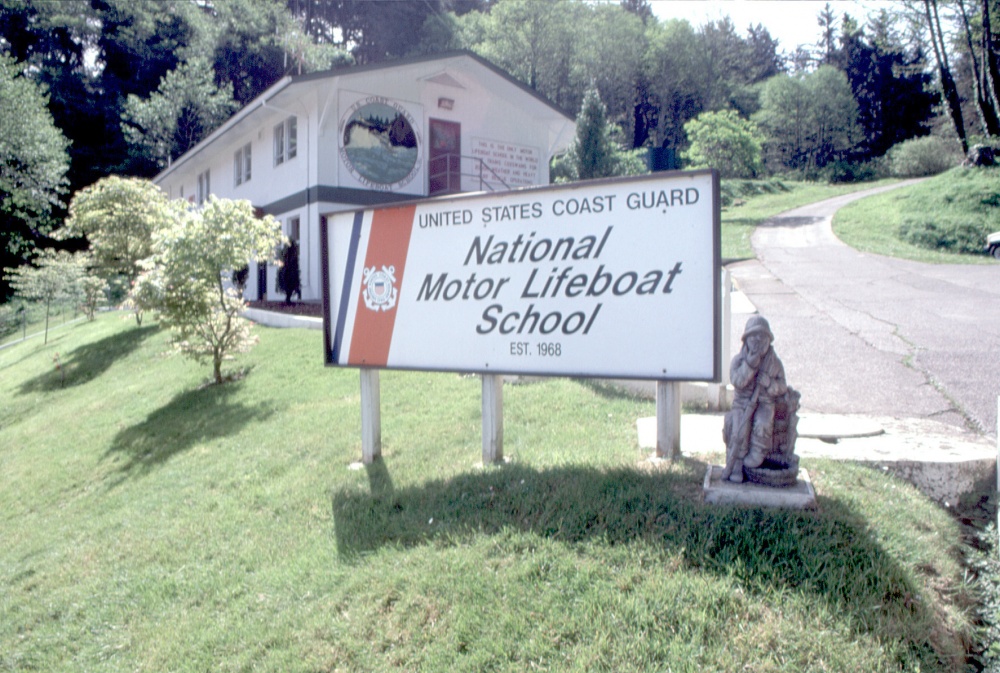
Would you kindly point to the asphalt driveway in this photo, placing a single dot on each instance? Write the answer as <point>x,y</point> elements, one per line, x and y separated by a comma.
<point>866,334</point>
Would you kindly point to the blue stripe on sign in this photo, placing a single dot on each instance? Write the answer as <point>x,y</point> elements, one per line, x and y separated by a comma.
<point>345,293</point>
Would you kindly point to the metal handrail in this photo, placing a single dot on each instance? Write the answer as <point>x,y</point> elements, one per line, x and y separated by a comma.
<point>487,177</point>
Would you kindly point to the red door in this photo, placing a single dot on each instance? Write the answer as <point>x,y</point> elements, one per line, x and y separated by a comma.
<point>445,157</point>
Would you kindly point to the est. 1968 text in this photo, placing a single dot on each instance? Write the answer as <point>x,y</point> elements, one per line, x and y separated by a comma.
<point>545,349</point>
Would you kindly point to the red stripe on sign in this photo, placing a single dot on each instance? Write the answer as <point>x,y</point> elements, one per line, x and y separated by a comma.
<point>380,283</point>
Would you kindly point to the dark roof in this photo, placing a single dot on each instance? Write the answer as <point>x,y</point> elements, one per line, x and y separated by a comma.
<point>424,58</point>
<point>290,80</point>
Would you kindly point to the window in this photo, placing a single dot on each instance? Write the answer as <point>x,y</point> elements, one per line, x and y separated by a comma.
<point>292,128</point>
<point>293,230</point>
<point>242,164</point>
<point>285,140</point>
<point>204,187</point>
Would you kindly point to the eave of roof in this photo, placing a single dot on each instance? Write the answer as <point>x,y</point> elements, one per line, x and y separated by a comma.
<point>289,80</point>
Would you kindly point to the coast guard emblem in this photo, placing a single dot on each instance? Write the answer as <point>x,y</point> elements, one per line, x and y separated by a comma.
<point>380,294</point>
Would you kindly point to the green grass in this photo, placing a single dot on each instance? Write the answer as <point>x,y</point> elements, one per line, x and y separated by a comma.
<point>970,196</point>
<point>153,524</point>
<point>754,202</point>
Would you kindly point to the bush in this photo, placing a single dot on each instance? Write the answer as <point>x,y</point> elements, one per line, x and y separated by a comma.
<point>944,233</point>
<point>919,157</point>
<point>852,171</point>
<point>731,191</point>
<point>725,141</point>
<point>985,564</point>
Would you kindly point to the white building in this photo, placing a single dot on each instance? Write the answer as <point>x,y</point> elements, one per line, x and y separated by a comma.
<point>316,144</point>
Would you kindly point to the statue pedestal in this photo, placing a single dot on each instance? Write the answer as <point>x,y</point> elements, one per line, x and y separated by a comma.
<point>719,491</point>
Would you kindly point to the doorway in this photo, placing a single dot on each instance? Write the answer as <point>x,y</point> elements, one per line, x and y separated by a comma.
<point>444,157</point>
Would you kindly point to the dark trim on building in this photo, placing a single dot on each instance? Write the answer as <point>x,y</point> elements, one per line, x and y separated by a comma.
<point>331,194</point>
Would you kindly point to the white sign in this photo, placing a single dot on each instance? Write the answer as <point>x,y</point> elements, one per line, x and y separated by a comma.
<point>616,278</point>
<point>516,165</point>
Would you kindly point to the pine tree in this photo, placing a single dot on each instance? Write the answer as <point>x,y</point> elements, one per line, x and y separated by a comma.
<point>595,150</point>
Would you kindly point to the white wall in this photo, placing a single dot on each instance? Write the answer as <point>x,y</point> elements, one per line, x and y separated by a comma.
<point>488,107</point>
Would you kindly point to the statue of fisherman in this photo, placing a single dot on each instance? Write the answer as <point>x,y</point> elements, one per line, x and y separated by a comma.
<point>758,378</point>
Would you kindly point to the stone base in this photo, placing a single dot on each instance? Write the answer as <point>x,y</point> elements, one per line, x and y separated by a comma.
<point>724,492</point>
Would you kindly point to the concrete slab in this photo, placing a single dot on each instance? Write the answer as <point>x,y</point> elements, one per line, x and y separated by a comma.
<point>724,492</point>
<point>944,462</point>
<point>284,320</point>
<point>740,303</point>
<point>830,427</point>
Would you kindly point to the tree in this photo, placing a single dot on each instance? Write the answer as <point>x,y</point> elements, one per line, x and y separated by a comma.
<point>595,152</point>
<point>119,216</point>
<point>892,88</point>
<point>985,70</point>
<point>92,291</point>
<point>945,78</point>
<point>52,278</point>
<point>725,141</point>
<point>33,165</point>
<point>808,120</point>
<point>677,87</point>
<point>193,258</point>
<point>374,31</point>
<point>537,43</point>
<point>185,108</point>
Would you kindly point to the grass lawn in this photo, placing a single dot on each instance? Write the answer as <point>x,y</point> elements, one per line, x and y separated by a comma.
<point>153,524</point>
<point>966,196</point>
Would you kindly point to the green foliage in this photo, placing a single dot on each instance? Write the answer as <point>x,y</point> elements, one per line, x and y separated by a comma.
<point>985,563</point>
<point>675,71</point>
<point>33,164</point>
<point>183,110</point>
<point>736,192</point>
<point>724,141</point>
<point>193,257</point>
<point>536,43</point>
<point>145,295</point>
<point>809,120</point>
<point>118,216</point>
<point>93,290</point>
<point>595,152</point>
<point>948,234</point>
<point>919,157</point>
<point>843,170</point>
<point>53,277</point>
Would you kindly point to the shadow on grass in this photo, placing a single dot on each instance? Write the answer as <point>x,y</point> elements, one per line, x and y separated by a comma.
<point>191,418</point>
<point>792,222</point>
<point>85,363</point>
<point>611,391</point>
<point>830,554</point>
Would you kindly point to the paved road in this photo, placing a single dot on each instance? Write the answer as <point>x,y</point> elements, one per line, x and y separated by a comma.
<point>866,334</point>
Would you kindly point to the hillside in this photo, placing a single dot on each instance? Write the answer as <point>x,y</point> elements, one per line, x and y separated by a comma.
<point>153,524</point>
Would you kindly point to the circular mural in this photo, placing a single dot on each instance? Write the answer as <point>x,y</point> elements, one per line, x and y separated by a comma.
<point>379,145</point>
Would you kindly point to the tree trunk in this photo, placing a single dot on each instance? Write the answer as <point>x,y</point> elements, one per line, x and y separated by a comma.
<point>948,87</point>
<point>984,106</point>
<point>991,66</point>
